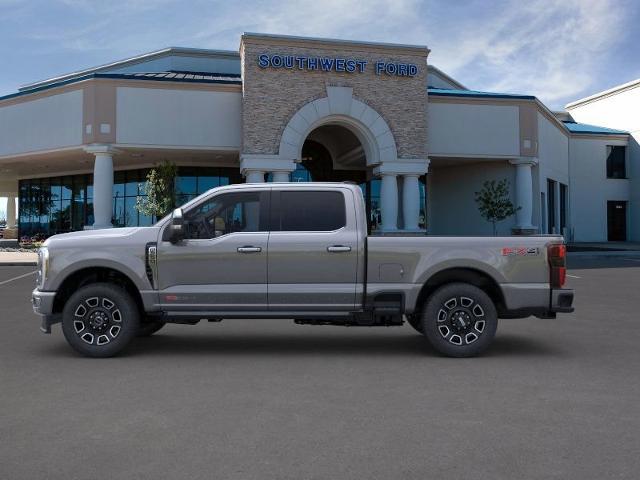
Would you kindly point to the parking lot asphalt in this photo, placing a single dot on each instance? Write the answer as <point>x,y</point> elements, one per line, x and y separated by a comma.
<point>253,399</point>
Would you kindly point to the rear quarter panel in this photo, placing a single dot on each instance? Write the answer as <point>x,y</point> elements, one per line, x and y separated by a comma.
<point>397,263</point>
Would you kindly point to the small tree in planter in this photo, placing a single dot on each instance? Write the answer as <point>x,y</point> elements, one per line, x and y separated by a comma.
<point>494,203</point>
<point>160,191</point>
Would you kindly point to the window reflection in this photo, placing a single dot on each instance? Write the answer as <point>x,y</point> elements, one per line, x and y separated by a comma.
<point>61,204</point>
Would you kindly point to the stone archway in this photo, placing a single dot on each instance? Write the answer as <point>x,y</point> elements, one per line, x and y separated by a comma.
<point>340,108</point>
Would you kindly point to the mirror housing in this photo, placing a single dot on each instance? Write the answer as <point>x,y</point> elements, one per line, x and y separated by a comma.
<point>176,228</point>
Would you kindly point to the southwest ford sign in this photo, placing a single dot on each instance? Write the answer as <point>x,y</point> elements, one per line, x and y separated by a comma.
<point>331,64</point>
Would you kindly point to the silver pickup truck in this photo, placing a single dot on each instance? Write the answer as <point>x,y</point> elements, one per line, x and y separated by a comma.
<point>291,250</point>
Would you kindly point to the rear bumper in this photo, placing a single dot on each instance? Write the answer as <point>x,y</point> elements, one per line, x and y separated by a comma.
<point>562,301</point>
<point>523,300</point>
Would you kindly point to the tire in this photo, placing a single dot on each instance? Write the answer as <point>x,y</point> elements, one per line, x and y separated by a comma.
<point>416,322</point>
<point>100,320</point>
<point>459,320</point>
<point>149,327</point>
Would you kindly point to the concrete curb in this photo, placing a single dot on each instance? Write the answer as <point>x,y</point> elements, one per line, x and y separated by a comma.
<point>18,264</point>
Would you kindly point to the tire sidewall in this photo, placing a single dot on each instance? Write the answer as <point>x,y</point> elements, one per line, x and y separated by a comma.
<point>128,327</point>
<point>430,323</point>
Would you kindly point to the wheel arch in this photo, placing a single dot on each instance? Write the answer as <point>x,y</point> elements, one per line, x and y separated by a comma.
<point>472,276</point>
<point>97,274</point>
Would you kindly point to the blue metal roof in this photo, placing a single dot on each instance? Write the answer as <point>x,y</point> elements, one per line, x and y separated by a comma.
<point>444,92</point>
<point>176,75</point>
<point>173,76</point>
<point>575,127</point>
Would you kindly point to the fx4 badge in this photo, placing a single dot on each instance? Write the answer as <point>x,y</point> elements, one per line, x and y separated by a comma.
<point>520,251</point>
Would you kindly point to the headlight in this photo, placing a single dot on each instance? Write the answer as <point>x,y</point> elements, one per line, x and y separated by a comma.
<point>43,265</point>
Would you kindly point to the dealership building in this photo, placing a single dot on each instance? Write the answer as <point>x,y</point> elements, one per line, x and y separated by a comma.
<point>75,149</point>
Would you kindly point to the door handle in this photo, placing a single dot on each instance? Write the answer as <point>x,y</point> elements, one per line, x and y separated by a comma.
<point>338,248</point>
<point>249,249</point>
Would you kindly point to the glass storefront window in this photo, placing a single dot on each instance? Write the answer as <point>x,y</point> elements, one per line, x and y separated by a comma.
<point>118,184</point>
<point>67,188</point>
<point>131,214</point>
<point>118,212</point>
<point>207,183</point>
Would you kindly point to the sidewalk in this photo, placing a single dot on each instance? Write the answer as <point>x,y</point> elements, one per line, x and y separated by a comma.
<point>22,259</point>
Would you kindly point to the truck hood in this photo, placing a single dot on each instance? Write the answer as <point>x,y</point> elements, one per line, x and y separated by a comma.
<point>108,237</point>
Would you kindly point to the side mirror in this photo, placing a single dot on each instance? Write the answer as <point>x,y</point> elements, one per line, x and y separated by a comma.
<point>176,229</point>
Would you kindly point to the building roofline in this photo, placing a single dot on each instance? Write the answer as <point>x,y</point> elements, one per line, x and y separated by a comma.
<point>593,129</point>
<point>562,125</point>
<point>445,92</point>
<point>131,61</point>
<point>119,76</point>
<point>446,76</point>
<point>604,93</point>
<point>336,41</point>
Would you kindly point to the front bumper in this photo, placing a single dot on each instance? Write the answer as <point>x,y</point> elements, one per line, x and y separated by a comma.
<point>42,303</point>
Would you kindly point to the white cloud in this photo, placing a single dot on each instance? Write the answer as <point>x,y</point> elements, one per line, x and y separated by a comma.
<point>548,48</point>
<point>551,48</point>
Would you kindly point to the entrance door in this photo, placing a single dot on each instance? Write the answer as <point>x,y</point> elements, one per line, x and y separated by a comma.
<point>313,251</point>
<point>617,221</point>
<point>221,265</point>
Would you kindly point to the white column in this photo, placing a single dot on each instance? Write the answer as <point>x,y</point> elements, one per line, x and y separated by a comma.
<point>102,185</point>
<point>253,210</point>
<point>524,192</point>
<point>280,176</point>
<point>254,176</point>
<point>11,212</point>
<point>410,201</point>
<point>254,166</point>
<point>389,202</point>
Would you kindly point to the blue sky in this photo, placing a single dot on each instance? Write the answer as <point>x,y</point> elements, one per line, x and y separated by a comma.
<point>557,50</point>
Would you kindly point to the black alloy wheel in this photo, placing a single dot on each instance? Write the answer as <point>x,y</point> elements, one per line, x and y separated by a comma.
<point>100,319</point>
<point>459,320</point>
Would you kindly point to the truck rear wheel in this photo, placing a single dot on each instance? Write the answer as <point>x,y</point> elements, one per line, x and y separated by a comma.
<point>99,320</point>
<point>459,320</point>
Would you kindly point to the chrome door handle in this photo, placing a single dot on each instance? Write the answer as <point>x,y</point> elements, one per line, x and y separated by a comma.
<point>338,248</point>
<point>249,249</point>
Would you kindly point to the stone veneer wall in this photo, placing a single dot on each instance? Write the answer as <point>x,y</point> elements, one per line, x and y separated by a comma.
<point>271,96</point>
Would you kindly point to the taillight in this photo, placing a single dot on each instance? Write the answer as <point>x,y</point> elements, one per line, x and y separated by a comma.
<point>557,255</point>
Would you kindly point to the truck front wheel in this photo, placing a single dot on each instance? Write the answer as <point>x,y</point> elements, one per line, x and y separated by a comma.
<point>459,320</point>
<point>99,320</point>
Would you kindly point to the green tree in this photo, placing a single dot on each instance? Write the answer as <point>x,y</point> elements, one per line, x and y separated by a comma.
<point>494,203</point>
<point>160,194</point>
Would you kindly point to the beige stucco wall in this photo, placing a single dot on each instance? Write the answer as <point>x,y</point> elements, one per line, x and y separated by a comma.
<point>452,197</point>
<point>272,96</point>
<point>50,122</point>
<point>463,129</point>
<point>620,110</point>
<point>184,118</point>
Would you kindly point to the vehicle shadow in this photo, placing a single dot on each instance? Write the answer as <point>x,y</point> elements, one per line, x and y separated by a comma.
<point>255,344</point>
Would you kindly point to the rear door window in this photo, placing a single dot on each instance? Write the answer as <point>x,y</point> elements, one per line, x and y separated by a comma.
<point>309,211</point>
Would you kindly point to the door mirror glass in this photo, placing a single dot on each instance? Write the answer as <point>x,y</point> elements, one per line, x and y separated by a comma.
<point>176,234</point>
